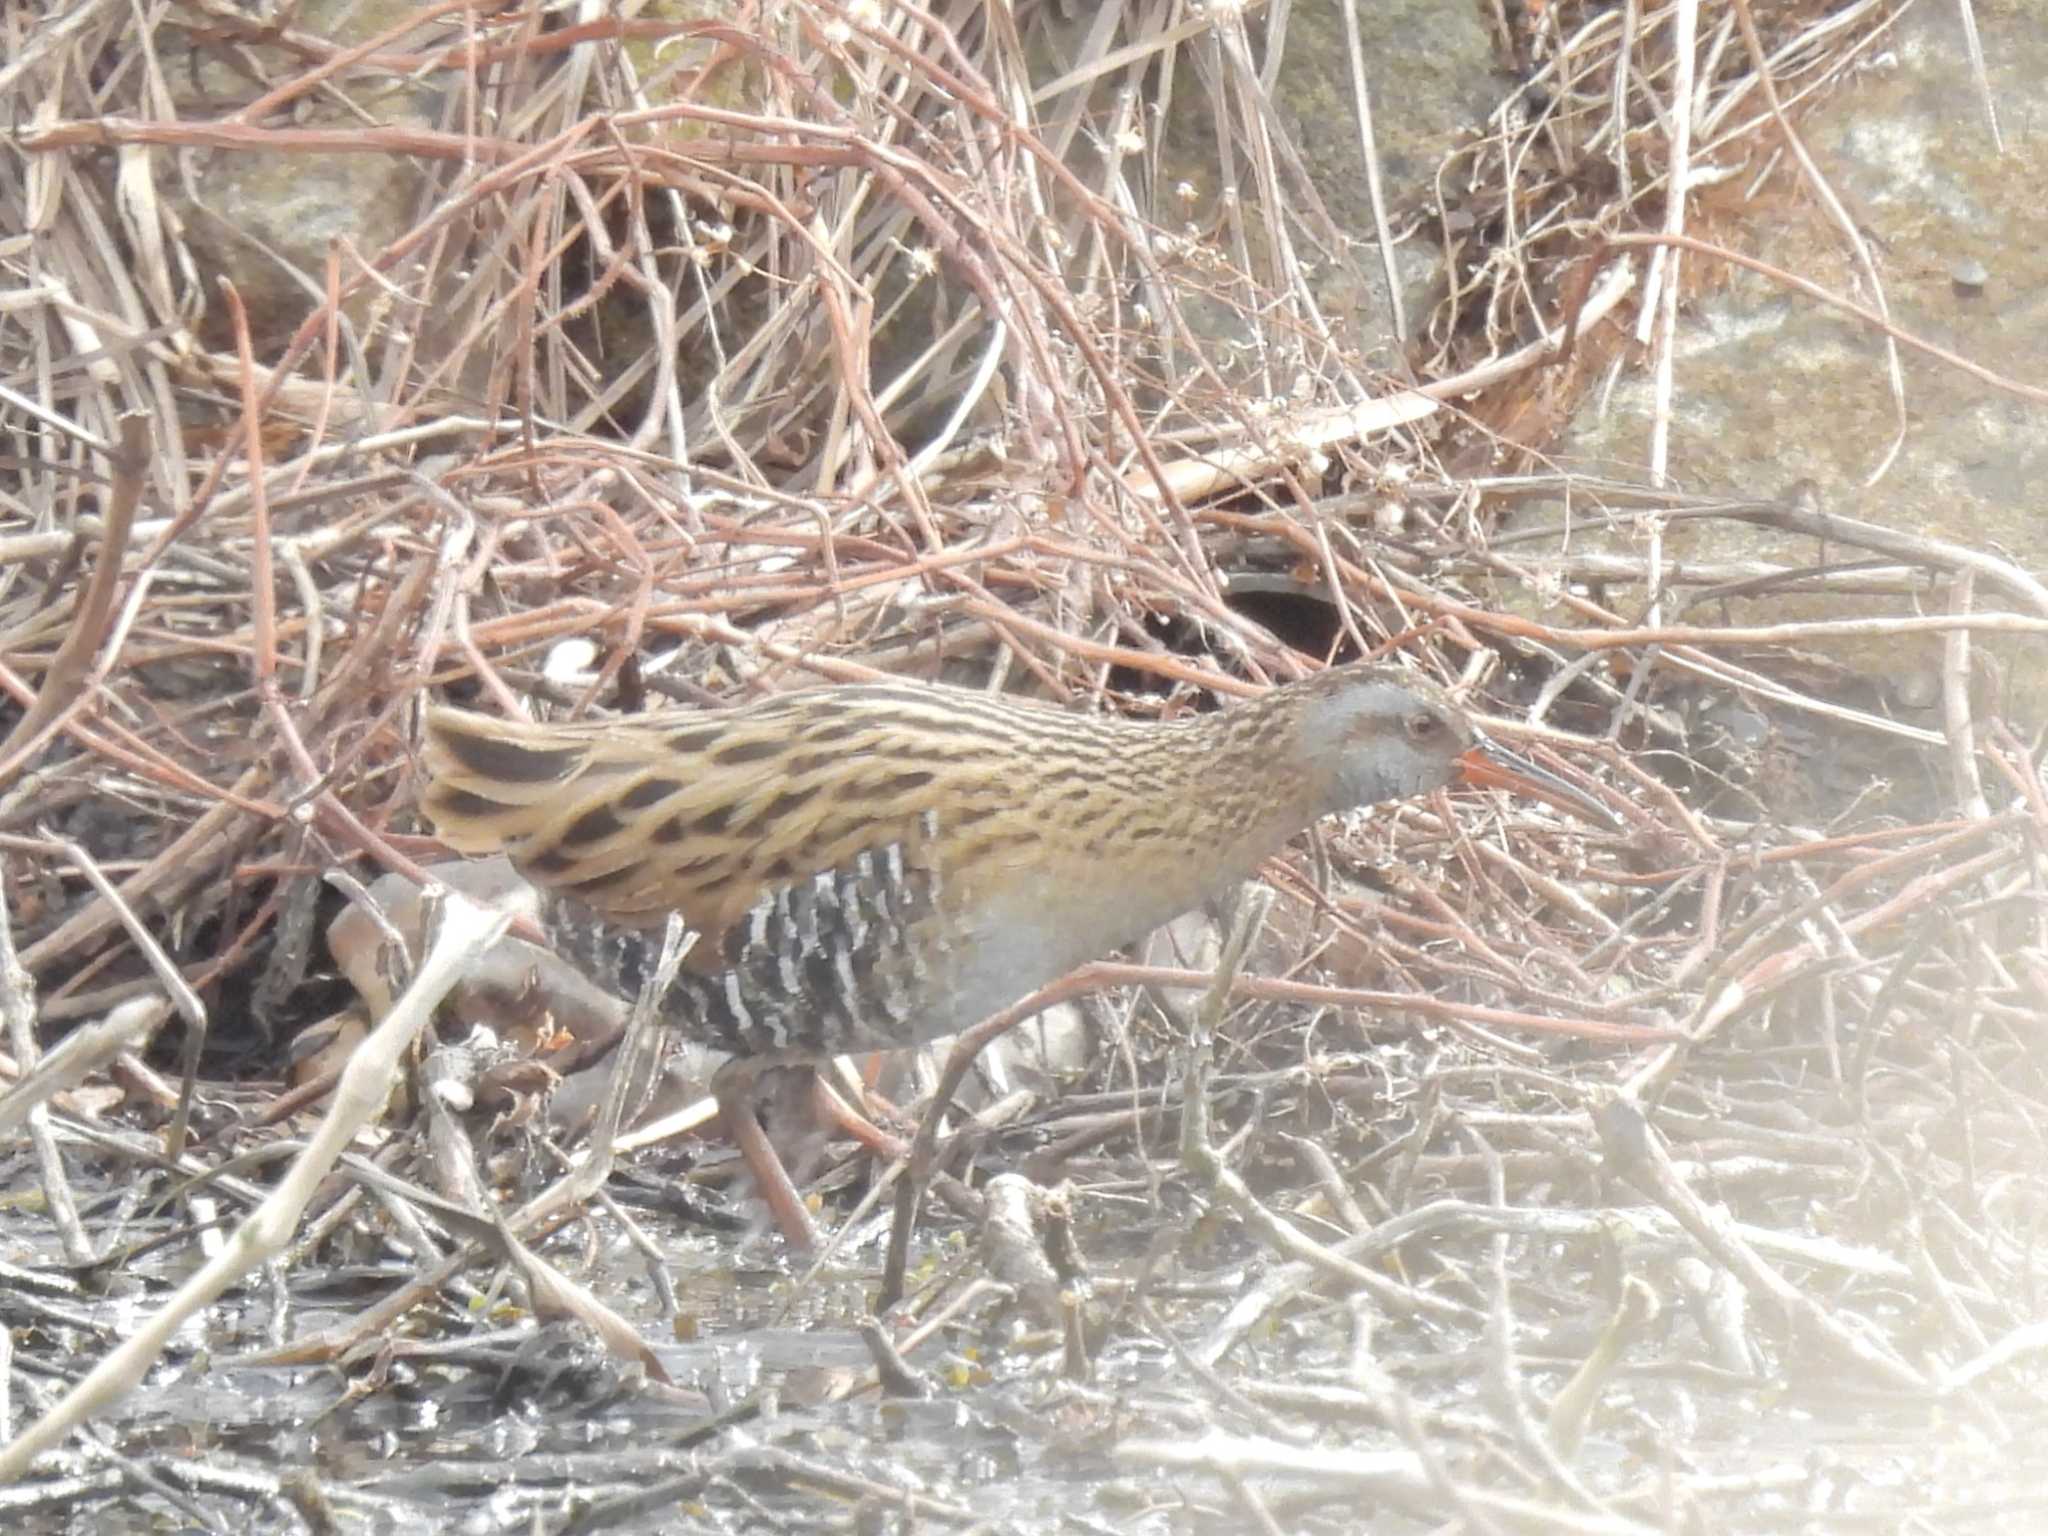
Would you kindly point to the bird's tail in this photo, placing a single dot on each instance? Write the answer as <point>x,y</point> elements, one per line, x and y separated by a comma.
<point>498,785</point>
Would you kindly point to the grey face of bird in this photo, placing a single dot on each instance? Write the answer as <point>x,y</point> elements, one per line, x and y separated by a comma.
<point>1386,738</point>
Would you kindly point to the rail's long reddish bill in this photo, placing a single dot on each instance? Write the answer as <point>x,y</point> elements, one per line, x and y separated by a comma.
<point>1488,765</point>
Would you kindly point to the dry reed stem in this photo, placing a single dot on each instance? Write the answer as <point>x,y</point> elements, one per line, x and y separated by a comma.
<point>679,389</point>
<point>361,1095</point>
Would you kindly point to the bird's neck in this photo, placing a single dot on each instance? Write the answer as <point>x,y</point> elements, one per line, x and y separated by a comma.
<point>1252,755</point>
<point>1228,790</point>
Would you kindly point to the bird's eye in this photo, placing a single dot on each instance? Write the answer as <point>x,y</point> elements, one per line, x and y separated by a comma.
<point>1424,728</point>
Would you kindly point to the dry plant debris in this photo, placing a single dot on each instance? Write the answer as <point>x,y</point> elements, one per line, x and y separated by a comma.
<point>1527,1176</point>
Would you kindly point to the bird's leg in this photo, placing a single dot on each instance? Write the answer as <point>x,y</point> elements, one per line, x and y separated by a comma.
<point>835,1112</point>
<point>733,1087</point>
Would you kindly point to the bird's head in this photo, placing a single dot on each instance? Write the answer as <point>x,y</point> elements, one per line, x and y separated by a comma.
<point>1375,733</point>
<point>1379,733</point>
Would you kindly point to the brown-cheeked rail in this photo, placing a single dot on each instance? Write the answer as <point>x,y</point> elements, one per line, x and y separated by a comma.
<point>871,867</point>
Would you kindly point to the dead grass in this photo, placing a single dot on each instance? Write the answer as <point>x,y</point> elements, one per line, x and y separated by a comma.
<point>718,357</point>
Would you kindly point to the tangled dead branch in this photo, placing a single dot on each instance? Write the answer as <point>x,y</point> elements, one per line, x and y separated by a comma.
<point>707,360</point>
